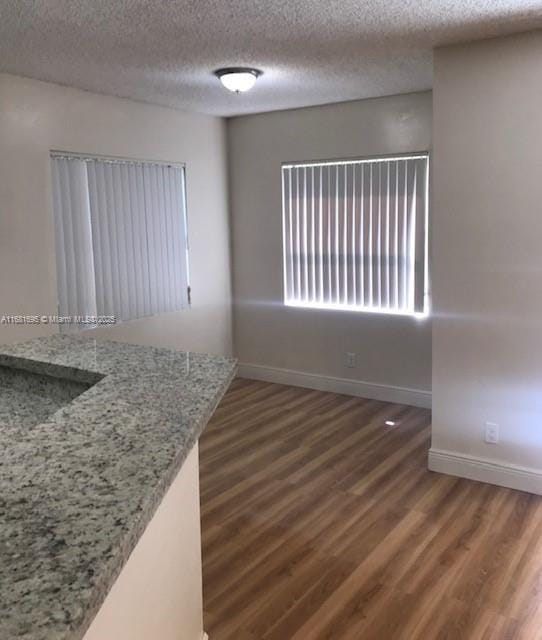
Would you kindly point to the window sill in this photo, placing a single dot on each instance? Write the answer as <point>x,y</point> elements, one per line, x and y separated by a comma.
<point>418,315</point>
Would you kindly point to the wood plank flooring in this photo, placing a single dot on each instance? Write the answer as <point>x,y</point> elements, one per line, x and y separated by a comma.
<point>320,522</point>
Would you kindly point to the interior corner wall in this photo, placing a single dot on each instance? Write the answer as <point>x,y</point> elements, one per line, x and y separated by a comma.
<point>36,117</point>
<point>391,350</point>
<point>487,269</point>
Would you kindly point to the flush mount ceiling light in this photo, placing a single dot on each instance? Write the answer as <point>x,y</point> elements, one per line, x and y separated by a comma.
<point>238,79</point>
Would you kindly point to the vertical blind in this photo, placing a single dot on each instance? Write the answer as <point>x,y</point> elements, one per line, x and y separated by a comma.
<point>121,238</point>
<point>355,234</point>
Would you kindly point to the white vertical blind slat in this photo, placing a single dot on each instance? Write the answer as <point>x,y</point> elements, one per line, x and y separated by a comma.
<point>86,291</point>
<point>172,281</point>
<point>154,275</point>
<point>181,177</point>
<point>378,243</point>
<point>75,264</point>
<point>344,248</point>
<point>287,213</point>
<point>386,241</point>
<point>354,234</point>
<point>299,205</point>
<point>337,252</point>
<point>285,234</point>
<point>412,237</point>
<point>166,240</point>
<point>140,240</point>
<point>68,205</point>
<point>173,250</point>
<point>361,245</point>
<point>329,241</point>
<point>290,240</point>
<point>118,211</point>
<point>321,239</point>
<point>133,305</point>
<point>305,262</point>
<point>100,240</point>
<point>404,239</point>
<point>109,213</point>
<point>133,241</point>
<point>160,236</point>
<point>180,235</point>
<point>314,294</point>
<point>396,239</point>
<point>370,238</point>
<point>61,256</point>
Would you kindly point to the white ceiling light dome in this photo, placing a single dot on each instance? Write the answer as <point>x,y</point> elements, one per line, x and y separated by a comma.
<point>238,79</point>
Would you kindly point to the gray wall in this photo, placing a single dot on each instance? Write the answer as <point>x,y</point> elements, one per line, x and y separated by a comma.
<point>390,350</point>
<point>36,117</point>
<point>487,231</point>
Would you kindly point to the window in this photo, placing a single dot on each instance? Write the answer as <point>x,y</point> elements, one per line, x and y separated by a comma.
<point>121,238</point>
<point>355,234</point>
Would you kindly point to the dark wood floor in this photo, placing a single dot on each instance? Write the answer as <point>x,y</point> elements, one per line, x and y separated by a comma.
<point>319,522</point>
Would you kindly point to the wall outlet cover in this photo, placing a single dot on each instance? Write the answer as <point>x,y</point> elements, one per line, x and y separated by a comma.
<point>491,432</point>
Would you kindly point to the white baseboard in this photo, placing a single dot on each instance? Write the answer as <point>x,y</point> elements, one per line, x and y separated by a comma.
<point>486,470</point>
<point>387,393</point>
<point>204,636</point>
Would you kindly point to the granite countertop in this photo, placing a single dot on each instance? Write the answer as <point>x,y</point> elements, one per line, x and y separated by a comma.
<point>79,486</point>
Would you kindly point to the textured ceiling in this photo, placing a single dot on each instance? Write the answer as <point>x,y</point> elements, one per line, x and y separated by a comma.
<point>311,51</point>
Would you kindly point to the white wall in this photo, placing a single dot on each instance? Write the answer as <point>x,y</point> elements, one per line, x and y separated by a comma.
<point>390,350</point>
<point>487,270</point>
<point>36,117</point>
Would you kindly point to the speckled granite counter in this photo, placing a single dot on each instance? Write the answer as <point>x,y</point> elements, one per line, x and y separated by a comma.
<point>79,486</point>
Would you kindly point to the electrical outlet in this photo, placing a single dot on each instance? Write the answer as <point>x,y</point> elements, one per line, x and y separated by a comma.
<point>350,360</point>
<point>492,433</point>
